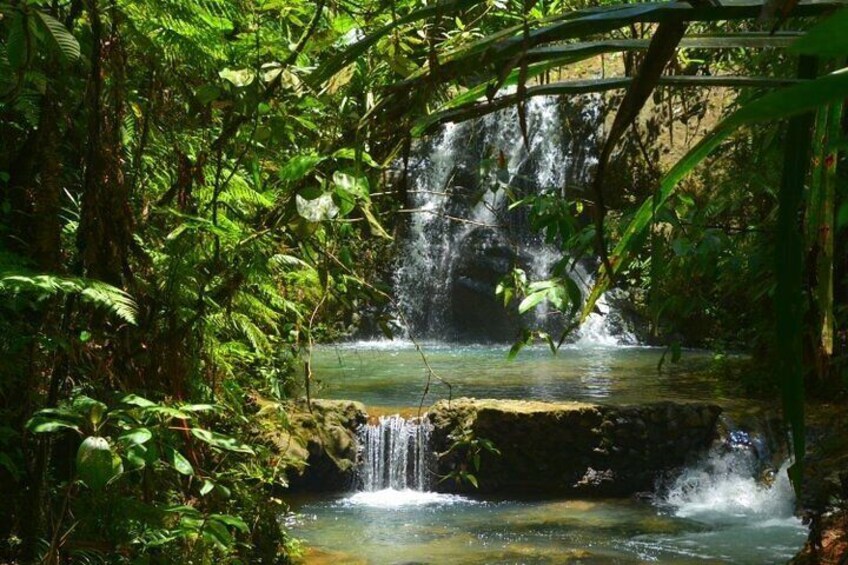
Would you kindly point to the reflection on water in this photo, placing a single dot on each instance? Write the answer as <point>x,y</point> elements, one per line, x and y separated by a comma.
<point>391,373</point>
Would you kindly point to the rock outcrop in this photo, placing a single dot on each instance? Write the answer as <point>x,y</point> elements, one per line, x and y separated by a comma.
<point>567,448</point>
<point>319,447</point>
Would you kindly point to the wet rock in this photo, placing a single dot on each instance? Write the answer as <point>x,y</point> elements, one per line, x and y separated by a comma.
<point>320,446</point>
<point>569,447</point>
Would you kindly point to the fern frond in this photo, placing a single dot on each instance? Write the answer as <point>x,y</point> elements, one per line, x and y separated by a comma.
<point>97,293</point>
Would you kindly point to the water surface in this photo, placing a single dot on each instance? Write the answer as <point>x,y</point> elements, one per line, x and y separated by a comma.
<point>388,527</point>
<point>715,511</point>
<point>392,374</point>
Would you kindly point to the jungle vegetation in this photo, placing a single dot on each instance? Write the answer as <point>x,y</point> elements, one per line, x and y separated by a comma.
<point>192,193</point>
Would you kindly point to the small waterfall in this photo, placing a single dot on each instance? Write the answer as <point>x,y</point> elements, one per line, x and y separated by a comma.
<point>734,482</point>
<point>395,454</point>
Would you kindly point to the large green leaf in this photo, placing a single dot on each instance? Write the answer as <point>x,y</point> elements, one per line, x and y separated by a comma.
<point>827,39</point>
<point>92,409</point>
<point>18,42</point>
<point>65,42</point>
<point>44,424</point>
<point>179,462</point>
<point>136,436</point>
<point>136,400</point>
<point>661,50</point>
<point>789,267</point>
<point>299,166</point>
<point>97,464</point>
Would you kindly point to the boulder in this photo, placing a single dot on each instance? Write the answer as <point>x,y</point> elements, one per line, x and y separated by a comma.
<point>320,446</point>
<point>569,447</point>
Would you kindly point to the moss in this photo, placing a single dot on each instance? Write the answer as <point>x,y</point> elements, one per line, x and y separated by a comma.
<point>318,447</point>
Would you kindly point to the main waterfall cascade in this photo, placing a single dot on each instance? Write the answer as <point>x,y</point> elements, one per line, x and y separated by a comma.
<point>462,238</point>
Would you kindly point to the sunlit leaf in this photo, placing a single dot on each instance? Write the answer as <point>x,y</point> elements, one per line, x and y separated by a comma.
<point>97,464</point>
<point>221,441</point>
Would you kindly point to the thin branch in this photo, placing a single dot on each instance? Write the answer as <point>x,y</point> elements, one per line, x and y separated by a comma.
<point>431,373</point>
<point>447,216</point>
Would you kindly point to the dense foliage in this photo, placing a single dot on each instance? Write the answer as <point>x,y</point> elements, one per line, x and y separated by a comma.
<point>193,193</point>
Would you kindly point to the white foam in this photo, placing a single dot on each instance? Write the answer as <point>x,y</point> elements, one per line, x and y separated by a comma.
<point>723,488</point>
<point>392,498</point>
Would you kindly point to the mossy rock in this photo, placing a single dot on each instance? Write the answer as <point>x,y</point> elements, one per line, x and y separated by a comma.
<point>571,448</point>
<point>318,445</point>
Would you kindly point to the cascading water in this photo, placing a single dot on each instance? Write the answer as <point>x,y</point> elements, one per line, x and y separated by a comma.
<point>462,237</point>
<point>395,454</point>
<point>396,465</point>
<point>735,480</point>
<point>718,510</point>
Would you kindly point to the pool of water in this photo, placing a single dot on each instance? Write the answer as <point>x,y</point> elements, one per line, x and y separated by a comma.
<point>709,521</point>
<point>392,374</point>
<point>715,511</point>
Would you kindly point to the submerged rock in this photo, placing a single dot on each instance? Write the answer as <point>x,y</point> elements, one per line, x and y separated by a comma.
<point>566,448</point>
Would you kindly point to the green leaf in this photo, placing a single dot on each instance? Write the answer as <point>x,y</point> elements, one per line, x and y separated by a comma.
<point>299,166</point>
<point>179,462</point>
<point>231,521</point>
<point>97,464</point>
<point>208,93</point>
<point>344,200</point>
<point>135,400</point>
<point>217,533</point>
<point>40,424</point>
<point>90,408</point>
<point>17,44</point>
<point>238,77</point>
<point>221,441</point>
<point>207,487</point>
<point>136,436</point>
<point>168,412</point>
<point>64,41</point>
<point>532,300</point>
<point>358,186</point>
<point>842,216</point>
<point>827,39</point>
<point>525,339</point>
<point>137,457</point>
<point>350,154</point>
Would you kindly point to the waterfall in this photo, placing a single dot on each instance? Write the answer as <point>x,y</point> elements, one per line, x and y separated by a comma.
<point>734,482</point>
<point>395,454</point>
<point>462,237</point>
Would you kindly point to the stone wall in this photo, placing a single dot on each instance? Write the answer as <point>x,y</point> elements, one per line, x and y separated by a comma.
<point>569,448</point>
